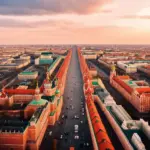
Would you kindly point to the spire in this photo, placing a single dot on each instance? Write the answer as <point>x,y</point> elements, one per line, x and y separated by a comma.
<point>47,76</point>
<point>37,84</point>
<point>37,90</point>
<point>113,68</point>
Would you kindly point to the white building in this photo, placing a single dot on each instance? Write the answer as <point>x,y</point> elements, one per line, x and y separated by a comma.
<point>131,67</point>
<point>27,75</point>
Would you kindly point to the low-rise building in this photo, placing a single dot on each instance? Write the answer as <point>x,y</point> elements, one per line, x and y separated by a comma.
<point>131,66</point>
<point>136,92</point>
<point>45,58</point>
<point>27,75</point>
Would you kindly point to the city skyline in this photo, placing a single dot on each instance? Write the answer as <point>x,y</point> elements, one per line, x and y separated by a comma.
<point>85,22</point>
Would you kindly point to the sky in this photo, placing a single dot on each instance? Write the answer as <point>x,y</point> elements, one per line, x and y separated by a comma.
<point>74,21</point>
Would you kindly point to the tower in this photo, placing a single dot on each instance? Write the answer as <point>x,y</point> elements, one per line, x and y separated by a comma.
<point>113,72</point>
<point>37,92</point>
<point>47,85</point>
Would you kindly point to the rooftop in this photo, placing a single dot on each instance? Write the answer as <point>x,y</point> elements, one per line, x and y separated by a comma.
<point>38,102</point>
<point>28,73</point>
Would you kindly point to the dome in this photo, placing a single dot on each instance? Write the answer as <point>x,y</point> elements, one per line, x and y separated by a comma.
<point>39,102</point>
<point>57,91</point>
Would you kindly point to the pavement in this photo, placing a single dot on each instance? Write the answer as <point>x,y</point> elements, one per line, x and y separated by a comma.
<point>74,91</point>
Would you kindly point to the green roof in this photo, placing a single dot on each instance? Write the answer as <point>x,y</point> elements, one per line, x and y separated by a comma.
<point>45,61</point>
<point>49,98</point>
<point>57,91</point>
<point>46,53</point>
<point>131,83</point>
<point>53,64</point>
<point>52,113</point>
<point>95,83</point>
<point>38,102</point>
<point>27,73</point>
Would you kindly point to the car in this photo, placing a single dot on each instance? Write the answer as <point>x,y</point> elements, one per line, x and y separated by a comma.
<point>61,136</point>
<point>81,121</point>
<point>77,117</point>
<point>76,128</point>
<point>50,133</point>
<point>76,137</point>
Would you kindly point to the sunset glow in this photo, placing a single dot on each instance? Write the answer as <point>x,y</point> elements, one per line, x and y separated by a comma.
<point>97,22</point>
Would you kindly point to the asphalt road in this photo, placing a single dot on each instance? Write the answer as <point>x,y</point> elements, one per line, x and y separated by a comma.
<point>74,91</point>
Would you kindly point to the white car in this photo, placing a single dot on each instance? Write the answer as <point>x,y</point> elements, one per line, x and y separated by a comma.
<point>87,144</point>
<point>76,137</point>
<point>50,133</point>
<point>61,136</point>
<point>76,128</point>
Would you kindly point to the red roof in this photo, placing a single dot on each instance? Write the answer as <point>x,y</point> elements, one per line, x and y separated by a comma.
<point>98,125</point>
<point>105,145</point>
<point>20,91</point>
<point>101,135</point>
<point>143,90</point>
<point>123,77</point>
<point>94,115</point>
<point>123,84</point>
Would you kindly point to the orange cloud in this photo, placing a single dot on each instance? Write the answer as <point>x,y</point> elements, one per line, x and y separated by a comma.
<point>27,7</point>
<point>136,17</point>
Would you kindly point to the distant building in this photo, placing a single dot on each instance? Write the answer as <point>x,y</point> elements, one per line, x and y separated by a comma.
<point>131,66</point>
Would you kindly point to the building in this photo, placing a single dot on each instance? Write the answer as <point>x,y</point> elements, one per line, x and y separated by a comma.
<point>98,132</point>
<point>45,58</point>
<point>133,134</point>
<point>145,69</point>
<point>27,75</point>
<point>136,92</point>
<point>26,113</point>
<point>14,64</point>
<point>131,66</point>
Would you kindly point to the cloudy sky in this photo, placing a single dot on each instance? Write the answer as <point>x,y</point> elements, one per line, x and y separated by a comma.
<point>75,21</point>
